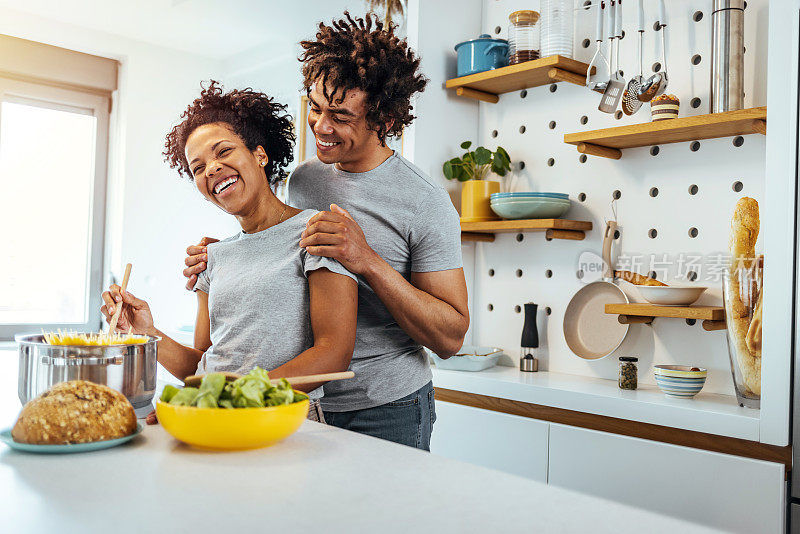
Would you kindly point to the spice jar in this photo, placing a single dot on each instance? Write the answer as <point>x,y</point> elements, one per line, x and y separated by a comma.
<point>523,36</point>
<point>627,372</point>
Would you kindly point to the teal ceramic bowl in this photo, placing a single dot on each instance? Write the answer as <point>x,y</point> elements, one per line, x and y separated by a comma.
<point>539,208</point>
<point>526,195</point>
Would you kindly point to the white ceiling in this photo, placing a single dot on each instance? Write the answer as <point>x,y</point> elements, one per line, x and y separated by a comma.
<point>213,28</point>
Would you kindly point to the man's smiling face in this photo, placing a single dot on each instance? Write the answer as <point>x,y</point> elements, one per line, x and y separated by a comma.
<point>341,130</point>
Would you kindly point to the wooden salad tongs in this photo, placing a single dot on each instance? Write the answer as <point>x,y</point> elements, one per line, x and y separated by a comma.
<point>194,380</point>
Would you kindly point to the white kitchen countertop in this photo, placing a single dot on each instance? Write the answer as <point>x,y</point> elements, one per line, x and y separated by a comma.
<point>321,479</point>
<point>707,412</point>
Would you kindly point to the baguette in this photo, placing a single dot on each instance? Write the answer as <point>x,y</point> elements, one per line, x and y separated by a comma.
<point>753,337</point>
<point>637,279</point>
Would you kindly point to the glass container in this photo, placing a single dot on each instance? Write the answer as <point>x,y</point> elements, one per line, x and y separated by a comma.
<point>557,22</point>
<point>523,36</point>
<point>741,290</point>
<point>628,378</point>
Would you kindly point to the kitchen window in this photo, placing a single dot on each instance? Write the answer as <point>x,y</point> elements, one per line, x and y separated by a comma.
<point>53,174</point>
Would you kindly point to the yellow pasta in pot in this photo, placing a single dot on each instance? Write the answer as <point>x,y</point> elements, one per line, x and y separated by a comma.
<point>92,339</point>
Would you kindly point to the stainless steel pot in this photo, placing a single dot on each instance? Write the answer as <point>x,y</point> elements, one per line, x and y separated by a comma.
<point>130,369</point>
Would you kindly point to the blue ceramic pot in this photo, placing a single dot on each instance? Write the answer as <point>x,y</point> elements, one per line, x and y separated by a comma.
<point>481,54</point>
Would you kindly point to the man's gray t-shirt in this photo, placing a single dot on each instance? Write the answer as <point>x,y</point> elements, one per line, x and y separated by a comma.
<point>258,298</point>
<point>412,224</point>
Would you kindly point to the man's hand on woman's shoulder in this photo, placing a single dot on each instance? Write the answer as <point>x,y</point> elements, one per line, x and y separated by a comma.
<point>196,260</point>
<point>336,235</point>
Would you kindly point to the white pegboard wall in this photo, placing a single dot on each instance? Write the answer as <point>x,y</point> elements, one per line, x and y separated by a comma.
<point>690,212</point>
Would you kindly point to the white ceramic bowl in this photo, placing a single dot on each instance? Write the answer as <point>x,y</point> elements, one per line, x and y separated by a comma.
<point>671,295</point>
<point>472,361</point>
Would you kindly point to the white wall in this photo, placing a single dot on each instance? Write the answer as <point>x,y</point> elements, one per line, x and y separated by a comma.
<point>152,215</point>
<point>443,120</point>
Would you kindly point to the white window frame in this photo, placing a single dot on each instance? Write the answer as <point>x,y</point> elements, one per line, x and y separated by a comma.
<point>92,102</point>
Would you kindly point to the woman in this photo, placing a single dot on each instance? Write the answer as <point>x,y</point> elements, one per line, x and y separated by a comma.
<point>262,299</point>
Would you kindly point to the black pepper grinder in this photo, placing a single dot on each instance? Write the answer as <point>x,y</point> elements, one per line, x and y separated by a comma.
<point>530,340</point>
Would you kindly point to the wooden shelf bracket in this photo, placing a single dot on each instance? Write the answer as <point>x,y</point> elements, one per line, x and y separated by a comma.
<point>477,95</point>
<point>597,150</point>
<point>635,319</point>
<point>561,75</point>
<point>476,236</point>
<point>574,235</point>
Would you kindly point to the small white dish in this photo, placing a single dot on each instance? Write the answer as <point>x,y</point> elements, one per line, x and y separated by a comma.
<point>671,295</point>
<point>472,358</point>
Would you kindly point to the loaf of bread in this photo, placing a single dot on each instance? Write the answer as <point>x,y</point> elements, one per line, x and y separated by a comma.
<point>75,412</point>
<point>637,279</point>
<point>741,305</point>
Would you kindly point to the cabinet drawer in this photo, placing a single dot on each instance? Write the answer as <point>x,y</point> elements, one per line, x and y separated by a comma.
<point>719,490</point>
<point>509,443</point>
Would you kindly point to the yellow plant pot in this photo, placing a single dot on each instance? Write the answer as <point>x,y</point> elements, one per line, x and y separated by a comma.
<point>476,200</point>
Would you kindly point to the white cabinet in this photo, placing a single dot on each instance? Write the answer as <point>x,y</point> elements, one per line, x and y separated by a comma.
<point>723,491</point>
<point>509,443</point>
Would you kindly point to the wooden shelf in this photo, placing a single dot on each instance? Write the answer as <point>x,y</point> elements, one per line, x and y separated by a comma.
<point>713,317</point>
<point>487,85</point>
<point>555,228</point>
<point>609,142</point>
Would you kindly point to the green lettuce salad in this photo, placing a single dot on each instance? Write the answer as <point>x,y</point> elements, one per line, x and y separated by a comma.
<point>254,390</point>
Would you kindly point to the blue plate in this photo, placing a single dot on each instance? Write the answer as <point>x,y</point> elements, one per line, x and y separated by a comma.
<point>5,437</point>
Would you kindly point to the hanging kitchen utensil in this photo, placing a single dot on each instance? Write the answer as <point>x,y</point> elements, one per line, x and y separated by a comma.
<point>598,53</point>
<point>657,83</point>
<point>589,331</point>
<point>615,87</point>
<point>630,100</point>
<point>530,341</point>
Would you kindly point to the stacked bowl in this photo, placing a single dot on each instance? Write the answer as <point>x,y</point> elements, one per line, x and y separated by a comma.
<point>681,381</point>
<point>530,205</point>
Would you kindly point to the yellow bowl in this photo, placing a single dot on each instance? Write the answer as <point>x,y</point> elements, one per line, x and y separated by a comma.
<point>231,429</point>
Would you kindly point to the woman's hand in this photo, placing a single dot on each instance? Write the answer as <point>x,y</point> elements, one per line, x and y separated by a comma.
<point>135,316</point>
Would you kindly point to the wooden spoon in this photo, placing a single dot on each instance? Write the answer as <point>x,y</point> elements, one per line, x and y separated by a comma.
<point>112,326</point>
<point>194,380</point>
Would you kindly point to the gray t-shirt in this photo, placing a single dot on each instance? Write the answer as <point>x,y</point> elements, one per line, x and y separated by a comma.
<point>412,224</point>
<point>258,298</point>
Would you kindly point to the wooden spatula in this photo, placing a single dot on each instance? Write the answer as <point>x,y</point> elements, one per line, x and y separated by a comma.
<point>194,380</point>
<point>112,326</point>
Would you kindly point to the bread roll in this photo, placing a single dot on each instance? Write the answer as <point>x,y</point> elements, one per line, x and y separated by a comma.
<point>637,279</point>
<point>75,412</point>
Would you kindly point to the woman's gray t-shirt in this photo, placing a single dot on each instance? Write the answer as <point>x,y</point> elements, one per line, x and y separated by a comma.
<point>258,298</point>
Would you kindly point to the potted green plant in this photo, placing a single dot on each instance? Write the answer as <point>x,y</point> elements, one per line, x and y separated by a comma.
<point>472,168</point>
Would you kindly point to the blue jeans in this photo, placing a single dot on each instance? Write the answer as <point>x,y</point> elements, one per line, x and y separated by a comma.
<point>408,420</point>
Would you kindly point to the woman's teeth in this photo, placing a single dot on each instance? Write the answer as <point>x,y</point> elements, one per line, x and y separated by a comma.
<point>224,184</point>
<point>323,143</point>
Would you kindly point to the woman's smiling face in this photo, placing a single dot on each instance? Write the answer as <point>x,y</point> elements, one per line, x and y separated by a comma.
<point>224,170</point>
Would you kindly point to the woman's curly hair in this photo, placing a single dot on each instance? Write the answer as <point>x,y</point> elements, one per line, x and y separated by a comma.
<point>363,54</point>
<point>255,117</point>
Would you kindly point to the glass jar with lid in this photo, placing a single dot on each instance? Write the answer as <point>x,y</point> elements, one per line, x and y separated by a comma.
<point>628,372</point>
<point>523,36</point>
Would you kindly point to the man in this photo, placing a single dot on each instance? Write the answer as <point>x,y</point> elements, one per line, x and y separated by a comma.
<point>390,225</point>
